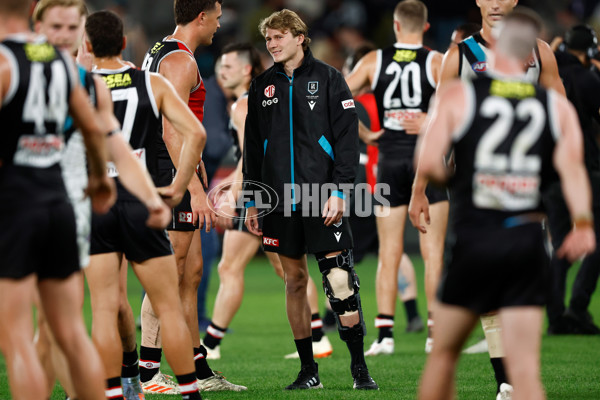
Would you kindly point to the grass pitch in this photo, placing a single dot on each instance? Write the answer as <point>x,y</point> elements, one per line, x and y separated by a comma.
<point>252,354</point>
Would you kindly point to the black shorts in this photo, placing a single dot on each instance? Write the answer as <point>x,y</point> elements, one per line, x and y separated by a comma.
<point>398,174</point>
<point>182,214</point>
<point>123,230</point>
<point>492,268</point>
<point>41,239</point>
<point>296,235</point>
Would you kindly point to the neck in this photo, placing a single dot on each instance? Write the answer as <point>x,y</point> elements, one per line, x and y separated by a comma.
<point>410,38</point>
<point>486,34</point>
<point>184,34</point>
<point>239,90</point>
<point>10,25</point>
<point>114,62</point>
<point>290,65</point>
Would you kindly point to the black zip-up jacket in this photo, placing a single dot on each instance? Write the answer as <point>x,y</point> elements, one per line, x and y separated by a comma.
<point>300,130</point>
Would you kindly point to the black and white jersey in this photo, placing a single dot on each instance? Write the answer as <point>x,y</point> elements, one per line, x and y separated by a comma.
<point>474,51</point>
<point>503,151</point>
<point>135,108</point>
<point>403,85</point>
<point>32,117</point>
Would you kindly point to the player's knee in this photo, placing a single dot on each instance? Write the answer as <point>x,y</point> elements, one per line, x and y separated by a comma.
<point>229,269</point>
<point>340,282</point>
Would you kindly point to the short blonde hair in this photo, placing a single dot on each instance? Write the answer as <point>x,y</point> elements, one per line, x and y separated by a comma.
<point>44,5</point>
<point>412,15</point>
<point>284,21</point>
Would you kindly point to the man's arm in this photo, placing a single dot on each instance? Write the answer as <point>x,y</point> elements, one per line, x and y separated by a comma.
<point>363,73</point>
<point>181,71</point>
<point>549,77</point>
<point>568,161</point>
<point>252,158</point>
<point>449,67</point>
<point>185,125</point>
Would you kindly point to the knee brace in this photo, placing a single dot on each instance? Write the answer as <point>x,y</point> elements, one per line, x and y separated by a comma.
<point>341,285</point>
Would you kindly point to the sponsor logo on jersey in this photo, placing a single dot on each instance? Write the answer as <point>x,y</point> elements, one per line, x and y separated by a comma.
<point>517,90</point>
<point>266,103</point>
<point>40,52</point>
<point>312,104</point>
<point>117,80</point>
<point>405,55</point>
<point>185,217</point>
<point>348,104</point>
<point>270,91</point>
<point>267,241</point>
<point>338,236</point>
<point>38,151</point>
<point>313,87</point>
<point>156,48</point>
<point>480,66</point>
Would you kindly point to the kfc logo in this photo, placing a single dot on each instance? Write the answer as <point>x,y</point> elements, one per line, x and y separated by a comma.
<point>270,242</point>
<point>348,104</point>
<point>270,91</point>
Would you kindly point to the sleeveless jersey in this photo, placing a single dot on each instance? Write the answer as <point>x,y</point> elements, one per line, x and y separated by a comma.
<point>136,110</point>
<point>403,84</point>
<point>32,117</point>
<point>503,152</point>
<point>152,61</point>
<point>237,151</point>
<point>472,59</point>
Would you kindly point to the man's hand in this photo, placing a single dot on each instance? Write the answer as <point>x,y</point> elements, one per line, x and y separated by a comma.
<point>202,212</point>
<point>578,243</point>
<point>201,171</point>
<point>103,193</point>
<point>84,57</point>
<point>170,196</point>
<point>333,210</point>
<point>370,137</point>
<point>252,221</point>
<point>414,123</point>
<point>419,204</point>
<point>159,215</point>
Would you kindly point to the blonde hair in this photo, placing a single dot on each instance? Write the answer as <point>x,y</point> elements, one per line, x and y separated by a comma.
<point>44,5</point>
<point>284,21</point>
<point>412,15</point>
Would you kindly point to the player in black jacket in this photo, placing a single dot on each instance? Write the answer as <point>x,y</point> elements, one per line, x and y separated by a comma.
<point>301,134</point>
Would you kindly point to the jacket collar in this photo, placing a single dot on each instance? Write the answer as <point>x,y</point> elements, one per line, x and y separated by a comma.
<point>308,60</point>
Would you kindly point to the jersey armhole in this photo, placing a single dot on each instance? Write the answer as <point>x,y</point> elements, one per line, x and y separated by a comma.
<point>151,93</point>
<point>470,107</point>
<point>377,69</point>
<point>460,59</point>
<point>192,57</point>
<point>429,69</point>
<point>14,74</point>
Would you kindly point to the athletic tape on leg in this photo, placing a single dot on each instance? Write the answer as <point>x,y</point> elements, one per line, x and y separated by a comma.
<point>493,334</point>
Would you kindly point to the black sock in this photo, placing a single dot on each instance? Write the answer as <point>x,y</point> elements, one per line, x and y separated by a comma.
<point>203,371</point>
<point>385,324</point>
<point>130,367</point>
<point>149,362</point>
<point>114,391</point>
<point>357,352</point>
<point>188,386</point>
<point>214,335</point>
<point>317,327</point>
<point>499,372</point>
<point>410,306</point>
<point>304,347</point>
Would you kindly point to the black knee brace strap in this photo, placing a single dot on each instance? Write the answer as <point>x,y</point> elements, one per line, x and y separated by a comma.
<point>344,261</point>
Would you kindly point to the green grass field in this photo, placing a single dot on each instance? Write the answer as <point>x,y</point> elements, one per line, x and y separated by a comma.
<point>252,354</point>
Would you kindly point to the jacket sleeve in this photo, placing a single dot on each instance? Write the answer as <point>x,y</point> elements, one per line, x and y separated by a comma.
<point>253,154</point>
<point>344,128</point>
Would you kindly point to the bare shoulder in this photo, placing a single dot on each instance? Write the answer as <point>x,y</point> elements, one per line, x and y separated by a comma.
<point>179,66</point>
<point>449,67</point>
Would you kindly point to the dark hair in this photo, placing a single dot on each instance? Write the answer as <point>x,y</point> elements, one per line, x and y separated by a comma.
<point>582,38</point>
<point>105,32</point>
<point>188,10</point>
<point>284,21</point>
<point>248,53</point>
<point>468,29</point>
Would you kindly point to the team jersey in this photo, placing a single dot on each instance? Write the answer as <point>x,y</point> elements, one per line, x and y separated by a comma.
<point>474,51</point>
<point>503,151</point>
<point>237,151</point>
<point>136,110</point>
<point>152,61</point>
<point>403,84</point>
<point>32,117</point>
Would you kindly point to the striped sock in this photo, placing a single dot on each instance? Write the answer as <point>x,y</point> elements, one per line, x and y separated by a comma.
<point>188,386</point>
<point>429,324</point>
<point>214,335</point>
<point>385,324</point>
<point>316,325</point>
<point>203,371</point>
<point>149,362</point>
<point>130,367</point>
<point>114,391</point>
